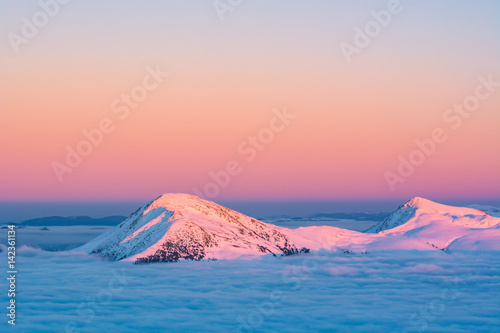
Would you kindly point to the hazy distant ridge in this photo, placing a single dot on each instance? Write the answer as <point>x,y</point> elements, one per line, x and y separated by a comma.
<point>73,220</point>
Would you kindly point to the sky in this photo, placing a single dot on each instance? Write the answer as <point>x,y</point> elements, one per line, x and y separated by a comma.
<point>289,100</point>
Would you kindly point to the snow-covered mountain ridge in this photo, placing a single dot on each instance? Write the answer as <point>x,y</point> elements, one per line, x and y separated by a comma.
<point>182,226</point>
<point>416,209</point>
<point>441,226</point>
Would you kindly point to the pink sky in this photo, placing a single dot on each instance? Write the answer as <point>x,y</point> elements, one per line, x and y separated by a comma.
<point>351,123</point>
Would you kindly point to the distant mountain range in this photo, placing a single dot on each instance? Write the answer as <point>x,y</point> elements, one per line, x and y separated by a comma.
<point>182,226</point>
<point>358,216</point>
<point>116,219</point>
<point>73,220</point>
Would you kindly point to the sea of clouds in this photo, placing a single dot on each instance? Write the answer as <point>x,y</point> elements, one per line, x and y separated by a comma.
<point>407,291</point>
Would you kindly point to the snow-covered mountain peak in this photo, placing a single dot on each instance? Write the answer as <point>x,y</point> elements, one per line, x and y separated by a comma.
<point>183,226</point>
<point>174,202</point>
<point>176,199</point>
<point>418,212</point>
<point>185,205</point>
<point>427,206</point>
<point>418,202</point>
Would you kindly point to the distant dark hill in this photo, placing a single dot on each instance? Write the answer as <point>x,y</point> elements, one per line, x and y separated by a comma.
<point>73,220</point>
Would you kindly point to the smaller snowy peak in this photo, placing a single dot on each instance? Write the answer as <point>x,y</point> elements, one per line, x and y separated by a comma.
<point>428,206</point>
<point>400,216</point>
<point>418,211</point>
<point>418,202</point>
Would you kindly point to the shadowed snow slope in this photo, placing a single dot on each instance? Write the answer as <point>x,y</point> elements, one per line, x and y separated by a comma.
<point>182,226</point>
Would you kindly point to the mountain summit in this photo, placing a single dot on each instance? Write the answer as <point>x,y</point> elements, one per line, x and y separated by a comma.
<point>418,212</point>
<point>441,226</point>
<point>183,226</point>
